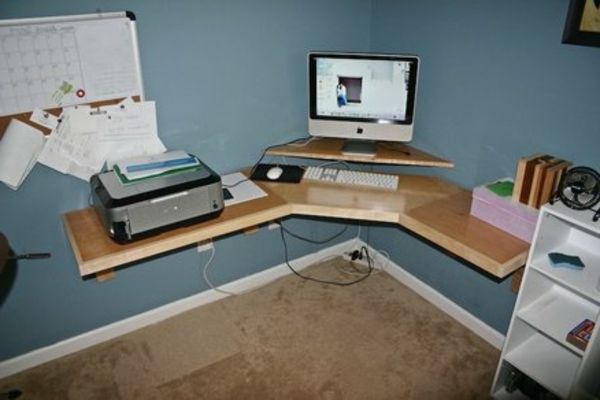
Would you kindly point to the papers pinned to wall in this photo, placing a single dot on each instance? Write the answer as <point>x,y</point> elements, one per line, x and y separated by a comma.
<point>19,149</point>
<point>83,59</point>
<point>85,138</point>
<point>131,131</point>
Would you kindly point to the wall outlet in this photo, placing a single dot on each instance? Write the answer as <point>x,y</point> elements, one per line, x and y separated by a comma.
<point>360,261</point>
<point>205,245</point>
<point>348,255</point>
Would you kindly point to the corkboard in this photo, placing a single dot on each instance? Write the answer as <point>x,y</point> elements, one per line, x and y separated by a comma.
<point>24,117</point>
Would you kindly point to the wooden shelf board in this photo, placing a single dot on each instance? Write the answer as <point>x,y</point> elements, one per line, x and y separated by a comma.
<point>387,153</point>
<point>363,203</point>
<point>448,223</point>
<point>557,312</point>
<point>583,282</point>
<point>429,206</point>
<point>96,252</point>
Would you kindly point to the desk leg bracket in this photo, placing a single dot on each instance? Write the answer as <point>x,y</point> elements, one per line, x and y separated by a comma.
<point>106,275</point>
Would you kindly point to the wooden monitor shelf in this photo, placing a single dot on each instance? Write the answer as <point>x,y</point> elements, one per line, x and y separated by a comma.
<point>387,153</point>
<point>430,207</point>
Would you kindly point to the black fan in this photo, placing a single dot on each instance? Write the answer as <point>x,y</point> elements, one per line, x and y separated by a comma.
<point>579,188</point>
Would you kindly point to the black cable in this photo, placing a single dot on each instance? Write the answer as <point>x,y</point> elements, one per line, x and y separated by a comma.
<point>314,241</point>
<point>327,282</point>
<point>30,256</point>
<point>256,164</point>
<point>235,184</point>
<point>11,394</point>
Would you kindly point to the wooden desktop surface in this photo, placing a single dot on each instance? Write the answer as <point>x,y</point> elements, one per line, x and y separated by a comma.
<point>96,252</point>
<point>448,223</point>
<point>428,206</point>
<point>386,153</point>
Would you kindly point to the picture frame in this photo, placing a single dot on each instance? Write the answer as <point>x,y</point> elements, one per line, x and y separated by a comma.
<point>582,26</point>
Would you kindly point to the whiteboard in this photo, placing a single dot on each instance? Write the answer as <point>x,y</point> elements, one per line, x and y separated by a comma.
<point>63,61</point>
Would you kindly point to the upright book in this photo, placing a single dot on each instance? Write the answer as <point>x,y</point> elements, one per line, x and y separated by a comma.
<point>523,177</point>
<point>539,171</point>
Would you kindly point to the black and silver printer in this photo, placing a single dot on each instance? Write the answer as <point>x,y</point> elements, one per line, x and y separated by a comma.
<point>141,208</point>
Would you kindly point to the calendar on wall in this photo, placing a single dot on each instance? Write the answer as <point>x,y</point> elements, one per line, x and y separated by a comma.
<point>62,61</point>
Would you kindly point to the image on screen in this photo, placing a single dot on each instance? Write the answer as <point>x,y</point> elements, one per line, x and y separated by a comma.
<point>355,88</point>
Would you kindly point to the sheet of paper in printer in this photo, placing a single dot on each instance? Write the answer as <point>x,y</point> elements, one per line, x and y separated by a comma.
<point>19,149</point>
<point>86,138</point>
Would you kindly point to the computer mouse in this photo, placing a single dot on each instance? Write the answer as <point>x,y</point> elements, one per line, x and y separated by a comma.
<point>274,173</point>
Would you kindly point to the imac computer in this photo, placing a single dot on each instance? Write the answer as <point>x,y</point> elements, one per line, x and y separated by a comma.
<point>362,98</point>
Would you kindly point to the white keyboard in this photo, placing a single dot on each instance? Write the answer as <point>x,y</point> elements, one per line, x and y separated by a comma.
<point>347,177</point>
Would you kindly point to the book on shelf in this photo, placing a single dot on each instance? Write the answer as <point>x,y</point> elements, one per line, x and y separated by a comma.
<point>537,179</point>
<point>523,177</point>
<point>551,180</point>
<point>581,334</point>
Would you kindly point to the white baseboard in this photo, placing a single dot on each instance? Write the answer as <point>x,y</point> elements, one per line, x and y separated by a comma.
<point>111,331</point>
<point>461,315</point>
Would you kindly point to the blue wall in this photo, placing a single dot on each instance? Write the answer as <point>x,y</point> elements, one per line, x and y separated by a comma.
<point>229,79</point>
<point>495,84</point>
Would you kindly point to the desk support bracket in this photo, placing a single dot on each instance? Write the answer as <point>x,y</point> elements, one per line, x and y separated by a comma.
<point>251,230</point>
<point>105,275</point>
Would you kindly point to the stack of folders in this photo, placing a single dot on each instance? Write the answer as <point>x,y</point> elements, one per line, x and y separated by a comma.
<point>137,169</point>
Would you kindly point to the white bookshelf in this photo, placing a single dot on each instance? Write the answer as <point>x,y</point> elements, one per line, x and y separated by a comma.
<point>540,358</point>
<point>551,302</point>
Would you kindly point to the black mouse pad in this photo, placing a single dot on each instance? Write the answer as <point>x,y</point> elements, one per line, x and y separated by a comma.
<point>291,173</point>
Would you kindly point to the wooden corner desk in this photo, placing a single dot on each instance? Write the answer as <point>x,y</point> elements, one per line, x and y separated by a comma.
<point>428,206</point>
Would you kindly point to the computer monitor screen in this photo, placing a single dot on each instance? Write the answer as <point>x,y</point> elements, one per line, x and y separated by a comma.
<point>362,96</point>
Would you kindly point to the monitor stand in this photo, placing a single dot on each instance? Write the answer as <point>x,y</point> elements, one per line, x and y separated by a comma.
<point>365,148</point>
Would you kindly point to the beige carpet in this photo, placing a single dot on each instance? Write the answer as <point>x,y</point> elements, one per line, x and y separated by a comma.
<point>292,339</point>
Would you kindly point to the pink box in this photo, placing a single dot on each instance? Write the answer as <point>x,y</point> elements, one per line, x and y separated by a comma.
<point>515,218</point>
